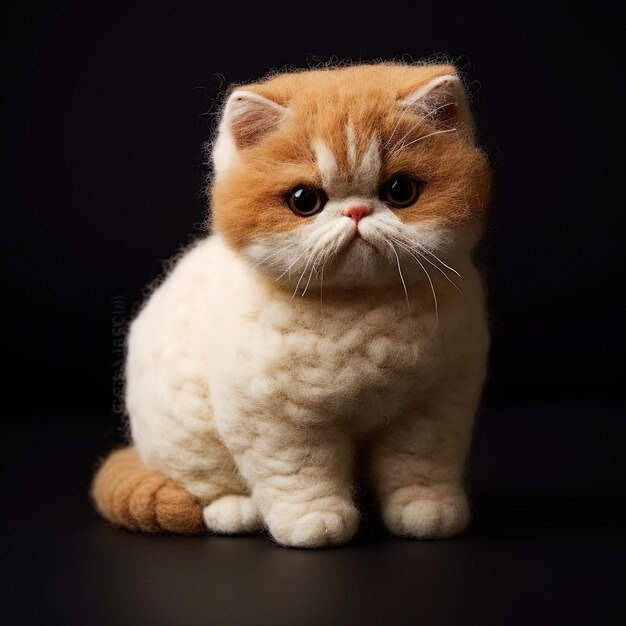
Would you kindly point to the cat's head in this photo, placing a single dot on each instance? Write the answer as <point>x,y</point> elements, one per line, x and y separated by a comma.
<point>347,176</point>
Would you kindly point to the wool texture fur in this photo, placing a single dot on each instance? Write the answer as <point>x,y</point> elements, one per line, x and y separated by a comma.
<point>292,349</point>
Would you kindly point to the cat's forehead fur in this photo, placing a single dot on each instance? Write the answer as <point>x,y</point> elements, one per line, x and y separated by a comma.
<point>344,108</point>
<point>345,131</point>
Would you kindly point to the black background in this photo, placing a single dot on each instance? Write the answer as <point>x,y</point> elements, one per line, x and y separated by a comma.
<point>105,109</point>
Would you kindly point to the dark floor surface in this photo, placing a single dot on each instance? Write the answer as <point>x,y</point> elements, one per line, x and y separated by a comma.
<point>546,545</point>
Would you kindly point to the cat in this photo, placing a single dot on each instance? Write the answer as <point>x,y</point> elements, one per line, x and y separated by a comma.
<point>334,320</point>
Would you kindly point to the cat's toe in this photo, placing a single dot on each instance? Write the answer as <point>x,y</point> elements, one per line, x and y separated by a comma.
<point>233,515</point>
<point>429,515</point>
<point>307,527</point>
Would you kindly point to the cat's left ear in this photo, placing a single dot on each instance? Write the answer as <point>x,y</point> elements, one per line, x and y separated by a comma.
<point>441,100</point>
<point>249,116</point>
<point>246,119</point>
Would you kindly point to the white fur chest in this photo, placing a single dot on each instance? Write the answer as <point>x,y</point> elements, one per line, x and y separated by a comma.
<point>314,360</point>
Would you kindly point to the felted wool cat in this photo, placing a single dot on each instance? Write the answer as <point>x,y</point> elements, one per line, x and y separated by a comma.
<point>334,320</point>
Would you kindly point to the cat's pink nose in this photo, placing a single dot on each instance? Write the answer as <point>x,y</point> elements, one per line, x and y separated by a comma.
<point>356,212</point>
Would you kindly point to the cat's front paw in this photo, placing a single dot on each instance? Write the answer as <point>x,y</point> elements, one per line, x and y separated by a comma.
<point>426,513</point>
<point>313,524</point>
<point>233,515</point>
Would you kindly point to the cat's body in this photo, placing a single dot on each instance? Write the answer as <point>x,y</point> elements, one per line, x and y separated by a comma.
<point>259,384</point>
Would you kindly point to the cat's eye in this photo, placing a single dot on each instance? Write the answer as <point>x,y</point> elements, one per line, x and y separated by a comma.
<point>400,191</point>
<point>306,201</point>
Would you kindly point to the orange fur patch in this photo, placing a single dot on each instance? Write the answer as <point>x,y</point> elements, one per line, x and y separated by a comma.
<point>248,201</point>
<point>128,494</point>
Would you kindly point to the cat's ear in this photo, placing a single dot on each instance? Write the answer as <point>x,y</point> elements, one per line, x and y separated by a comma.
<point>247,117</point>
<point>441,100</point>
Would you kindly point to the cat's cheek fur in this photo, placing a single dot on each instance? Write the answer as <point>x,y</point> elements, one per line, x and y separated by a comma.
<point>294,259</point>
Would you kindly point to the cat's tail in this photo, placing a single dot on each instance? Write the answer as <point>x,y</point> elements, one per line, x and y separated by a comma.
<point>130,495</point>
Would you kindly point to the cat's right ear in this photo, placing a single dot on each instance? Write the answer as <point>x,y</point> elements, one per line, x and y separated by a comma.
<point>246,119</point>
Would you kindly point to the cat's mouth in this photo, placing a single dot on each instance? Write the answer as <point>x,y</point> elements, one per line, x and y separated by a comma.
<point>359,240</point>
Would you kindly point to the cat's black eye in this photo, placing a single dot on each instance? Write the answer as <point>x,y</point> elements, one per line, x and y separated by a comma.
<point>400,191</point>
<point>306,201</point>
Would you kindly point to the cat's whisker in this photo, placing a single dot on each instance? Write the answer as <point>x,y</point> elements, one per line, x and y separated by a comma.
<point>313,266</point>
<point>421,120</point>
<point>424,249</point>
<point>291,245</point>
<point>313,256</point>
<point>322,288</point>
<point>413,252</point>
<point>430,281</point>
<point>432,288</point>
<point>436,132</point>
<point>395,128</point>
<point>306,265</point>
<point>328,251</point>
<point>335,250</point>
<point>436,109</point>
<point>399,142</point>
<point>406,293</point>
<point>292,264</point>
<point>419,123</point>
